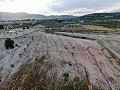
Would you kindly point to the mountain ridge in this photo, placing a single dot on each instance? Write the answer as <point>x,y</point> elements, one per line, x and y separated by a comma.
<point>23,15</point>
<point>113,15</point>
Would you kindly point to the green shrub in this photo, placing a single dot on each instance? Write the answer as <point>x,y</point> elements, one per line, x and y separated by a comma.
<point>12,65</point>
<point>66,76</point>
<point>9,44</point>
<point>23,28</point>
<point>27,27</point>
<point>40,58</point>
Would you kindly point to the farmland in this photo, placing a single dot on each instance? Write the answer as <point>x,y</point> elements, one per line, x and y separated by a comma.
<point>59,61</point>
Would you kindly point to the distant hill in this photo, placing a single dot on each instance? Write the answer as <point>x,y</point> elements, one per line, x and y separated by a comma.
<point>22,15</point>
<point>62,17</point>
<point>109,20</point>
<point>100,16</point>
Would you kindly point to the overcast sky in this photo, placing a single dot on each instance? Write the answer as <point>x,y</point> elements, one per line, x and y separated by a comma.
<point>60,7</point>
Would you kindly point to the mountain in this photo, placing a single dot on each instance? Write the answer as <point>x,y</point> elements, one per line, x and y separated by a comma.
<point>61,17</point>
<point>22,15</point>
<point>19,16</point>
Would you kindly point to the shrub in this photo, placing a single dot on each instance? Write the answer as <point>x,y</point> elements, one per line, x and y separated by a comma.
<point>16,45</point>
<point>23,28</point>
<point>27,27</point>
<point>9,44</point>
<point>12,65</point>
<point>1,27</point>
<point>40,58</point>
<point>66,76</point>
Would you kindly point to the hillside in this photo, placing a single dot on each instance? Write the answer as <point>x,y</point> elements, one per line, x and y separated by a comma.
<point>110,20</point>
<point>101,16</point>
<point>60,61</point>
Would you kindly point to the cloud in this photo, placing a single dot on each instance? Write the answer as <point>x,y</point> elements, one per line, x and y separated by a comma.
<point>83,11</point>
<point>59,7</point>
<point>6,0</point>
<point>83,6</point>
<point>29,6</point>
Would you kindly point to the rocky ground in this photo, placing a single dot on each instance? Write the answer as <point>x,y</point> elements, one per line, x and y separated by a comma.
<point>71,60</point>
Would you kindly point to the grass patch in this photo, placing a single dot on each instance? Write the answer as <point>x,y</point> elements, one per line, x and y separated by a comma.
<point>40,58</point>
<point>63,63</point>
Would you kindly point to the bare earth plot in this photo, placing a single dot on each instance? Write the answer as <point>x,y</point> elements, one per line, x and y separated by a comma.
<point>95,61</point>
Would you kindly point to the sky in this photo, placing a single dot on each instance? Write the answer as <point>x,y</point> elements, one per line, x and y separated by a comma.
<point>60,7</point>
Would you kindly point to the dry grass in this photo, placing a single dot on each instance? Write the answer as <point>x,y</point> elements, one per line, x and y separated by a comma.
<point>93,27</point>
<point>32,76</point>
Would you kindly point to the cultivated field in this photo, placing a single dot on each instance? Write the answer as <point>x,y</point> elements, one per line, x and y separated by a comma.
<point>93,27</point>
<point>68,59</point>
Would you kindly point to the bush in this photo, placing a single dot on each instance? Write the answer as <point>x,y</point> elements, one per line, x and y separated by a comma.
<point>66,76</point>
<point>23,28</point>
<point>9,44</point>
<point>27,27</point>
<point>40,58</point>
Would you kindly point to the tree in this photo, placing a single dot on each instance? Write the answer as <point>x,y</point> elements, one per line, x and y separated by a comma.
<point>9,44</point>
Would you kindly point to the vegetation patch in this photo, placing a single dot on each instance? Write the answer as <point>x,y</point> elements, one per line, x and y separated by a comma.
<point>40,58</point>
<point>66,76</point>
<point>9,44</point>
<point>63,63</point>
